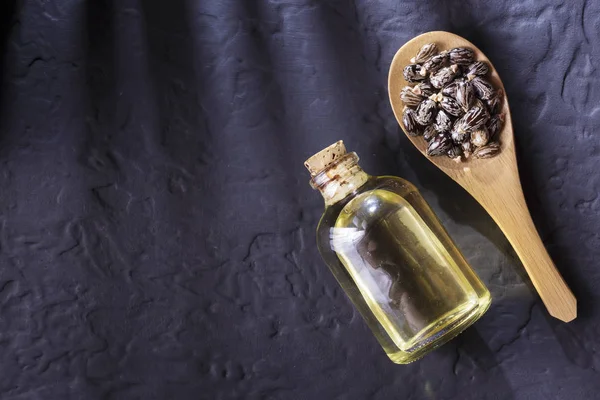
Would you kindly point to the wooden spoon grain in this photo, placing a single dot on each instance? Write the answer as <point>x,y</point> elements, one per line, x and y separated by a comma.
<point>493,182</point>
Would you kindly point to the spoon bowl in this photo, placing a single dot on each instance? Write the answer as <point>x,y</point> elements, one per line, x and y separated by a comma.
<point>493,182</point>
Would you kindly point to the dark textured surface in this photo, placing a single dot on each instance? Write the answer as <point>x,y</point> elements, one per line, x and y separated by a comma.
<point>157,227</point>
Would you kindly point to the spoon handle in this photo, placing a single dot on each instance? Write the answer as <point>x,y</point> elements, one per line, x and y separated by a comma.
<point>510,212</point>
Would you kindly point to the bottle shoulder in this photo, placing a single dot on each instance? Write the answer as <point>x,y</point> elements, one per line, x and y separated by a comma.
<point>393,184</point>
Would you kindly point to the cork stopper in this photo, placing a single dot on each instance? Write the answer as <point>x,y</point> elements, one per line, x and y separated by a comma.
<point>325,158</point>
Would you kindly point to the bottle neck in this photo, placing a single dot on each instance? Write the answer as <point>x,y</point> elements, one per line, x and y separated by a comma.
<point>339,179</point>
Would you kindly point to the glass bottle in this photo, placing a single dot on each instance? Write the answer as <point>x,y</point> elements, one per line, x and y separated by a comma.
<point>392,257</point>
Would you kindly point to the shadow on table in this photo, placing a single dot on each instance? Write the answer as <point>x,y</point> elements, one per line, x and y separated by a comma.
<point>561,254</point>
<point>469,345</point>
<point>472,214</point>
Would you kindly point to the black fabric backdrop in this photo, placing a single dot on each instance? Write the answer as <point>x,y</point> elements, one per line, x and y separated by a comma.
<point>157,226</point>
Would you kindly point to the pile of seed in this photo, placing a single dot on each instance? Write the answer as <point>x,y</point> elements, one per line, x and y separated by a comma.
<point>453,106</point>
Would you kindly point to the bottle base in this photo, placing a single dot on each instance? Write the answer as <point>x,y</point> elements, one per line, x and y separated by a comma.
<point>448,329</point>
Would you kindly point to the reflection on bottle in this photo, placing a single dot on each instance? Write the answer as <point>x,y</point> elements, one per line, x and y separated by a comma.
<point>409,280</point>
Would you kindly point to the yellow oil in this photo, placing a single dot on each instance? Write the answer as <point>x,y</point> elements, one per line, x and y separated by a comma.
<point>413,280</point>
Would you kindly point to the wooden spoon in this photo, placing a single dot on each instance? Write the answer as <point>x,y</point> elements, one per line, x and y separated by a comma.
<point>493,182</point>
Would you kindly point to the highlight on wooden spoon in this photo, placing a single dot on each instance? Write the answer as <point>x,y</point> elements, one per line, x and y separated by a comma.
<point>443,118</point>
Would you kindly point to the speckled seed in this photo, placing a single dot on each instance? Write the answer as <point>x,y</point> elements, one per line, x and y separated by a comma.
<point>483,88</point>
<point>426,112</point>
<point>443,122</point>
<point>409,119</point>
<point>494,125</point>
<point>424,53</point>
<point>450,105</point>
<point>474,118</point>
<point>425,88</point>
<point>459,134</point>
<point>435,63</point>
<point>455,152</point>
<point>429,133</point>
<point>439,145</point>
<point>495,103</point>
<point>479,104</point>
<point>461,55</point>
<point>465,95</point>
<point>480,137</point>
<point>488,151</point>
<point>467,148</point>
<point>450,89</point>
<point>412,73</point>
<point>409,97</point>
<point>478,68</point>
<point>444,76</point>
